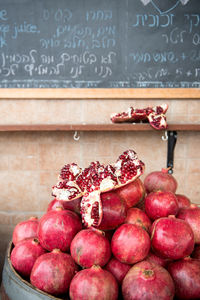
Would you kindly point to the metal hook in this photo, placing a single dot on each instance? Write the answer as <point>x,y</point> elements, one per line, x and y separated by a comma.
<point>165,137</point>
<point>76,136</point>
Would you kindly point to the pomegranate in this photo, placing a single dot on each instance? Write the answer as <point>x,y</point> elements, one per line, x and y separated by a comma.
<point>172,238</point>
<point>94,284</point>
<point>160,204</point>
<point>118,269</point>
<point>130,243</point>
<point>114,211</point>
<point>138,217</point>
<point>57,229</point>
<point>163,262</point>
<point>24,255</point>
<point>138,115</point>
<point>157,121</point>
<point>196,252</point>
<point>24,230</point>
<point>192,216</point>
<point>185,274</point>
<point>160,180</point>
<point>73,205</point>
<point>132,193</point>
<point>183,201</point>
<point>146,280</point>
<point>53,272</point>
<point>90,247</point>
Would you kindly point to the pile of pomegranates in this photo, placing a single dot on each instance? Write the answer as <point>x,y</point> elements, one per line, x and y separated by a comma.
<point>108,235</point>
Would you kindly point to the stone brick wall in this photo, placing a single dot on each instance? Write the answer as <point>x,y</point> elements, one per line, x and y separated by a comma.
<point>30,161</point>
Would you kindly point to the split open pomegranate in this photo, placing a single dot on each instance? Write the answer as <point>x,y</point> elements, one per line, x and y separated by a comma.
<point>90,182</point>
<point>154,115</point>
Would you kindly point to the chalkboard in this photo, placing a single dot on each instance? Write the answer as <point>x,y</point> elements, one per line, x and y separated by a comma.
<point>103,44</point>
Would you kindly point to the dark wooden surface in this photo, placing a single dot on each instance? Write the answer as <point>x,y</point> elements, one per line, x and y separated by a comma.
<point>96,127</point>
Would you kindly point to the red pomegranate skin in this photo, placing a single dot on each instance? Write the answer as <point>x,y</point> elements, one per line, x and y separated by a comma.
<point>130,243</point>
<point>73,205</point>
<point>90,247</point>
<point>24,255</point>
<point>160,180</point>
<point>53,272</point>
<point>93,284</point>
<point>196,252</point>
<point>132,193</point>
<point>161,204</point>
<point>57,229</point>
<point>114,211</point>
<point>191,215</point>
<point>186,276</point>
<point>172,238</point>
<point>138,217</point>
<point>152,257</point>
<point>118,269</point>
<point>26,229</point>
<point>183,201</point>
<point>147,281</point>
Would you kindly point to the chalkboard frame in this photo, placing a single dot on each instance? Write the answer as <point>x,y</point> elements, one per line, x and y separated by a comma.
<point>100,93</point>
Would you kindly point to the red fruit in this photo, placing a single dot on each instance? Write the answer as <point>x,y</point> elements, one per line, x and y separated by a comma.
<point>149,281</point>
<point>160,204</point>
<point>114,211</point>
<point>94,284</point>
<point>118,269</point>
<point>172,238</point>
<point>24,255</point>
<point>185,274</point>
<point>160,180</point>
<point>196,252</point>
<point>24,230</point>
<point>138,217</point>
<point>73,205</point>
<point>183,201</point>
<point>163,262</point>
<point>157,121</point>
<point>192,216</point>
<point>58,228</point>
<point>53,272</point>
<point>90,247</point>
<point>132,193</point>
<point>130,243</point>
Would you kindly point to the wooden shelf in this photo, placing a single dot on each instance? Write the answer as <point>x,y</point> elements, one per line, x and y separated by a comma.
<point>96,127</point>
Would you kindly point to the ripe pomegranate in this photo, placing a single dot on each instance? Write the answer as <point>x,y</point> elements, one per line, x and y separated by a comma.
<point>90,247</point>
<point>196,252</point>
<point>24,230</point>
<point>185,274</point>
<point>24,255</point>
<point>161,204</point>
<point>57,228</point>
<point>138,217</point>
<point>152,257</point>
<point>94,284</point>
<point>132,193</point>
<point>160,180</point>
<point>118,269</point>
<point>172,238</point>
<point>183,201</point>
<point>114,211</point>
<point>53,272</point>
<point>73,205</point>
<point>130,243</point>
<point>146,280</point>
<point>191,215</point>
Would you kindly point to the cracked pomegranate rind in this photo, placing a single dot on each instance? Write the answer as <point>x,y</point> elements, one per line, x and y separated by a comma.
<point>91,209</point>
<point>128,167</point>
<point>143,115</point>
<point>95,179</point>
